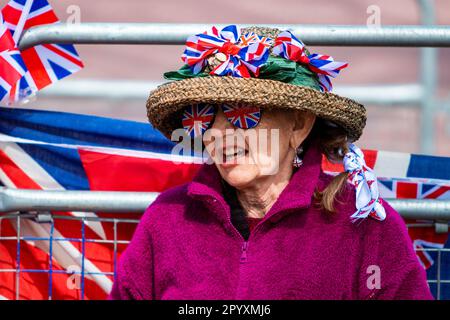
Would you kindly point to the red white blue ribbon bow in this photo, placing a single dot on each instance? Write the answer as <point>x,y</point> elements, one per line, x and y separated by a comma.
<point>240,58</point>
<point>363,178</point>
<point>289,47</point>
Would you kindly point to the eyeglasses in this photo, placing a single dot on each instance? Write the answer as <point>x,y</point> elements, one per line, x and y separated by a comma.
<point>197,118</point>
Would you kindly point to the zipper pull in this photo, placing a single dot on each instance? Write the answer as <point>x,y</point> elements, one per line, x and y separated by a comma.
<point>244,252</point>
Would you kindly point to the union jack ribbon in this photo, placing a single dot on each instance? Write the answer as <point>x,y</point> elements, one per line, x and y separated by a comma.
<point>266,41</point>
<point>247,39</point>
<point>289,47</point>
<point>244,117</point>
<point>238,59</point>
<point>251,37</point>
<point>197,119</point>
<point>363,178</point>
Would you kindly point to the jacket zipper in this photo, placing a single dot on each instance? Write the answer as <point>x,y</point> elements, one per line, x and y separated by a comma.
<point>244,247</point>
<point>244,251</point>
<point>371,295</point>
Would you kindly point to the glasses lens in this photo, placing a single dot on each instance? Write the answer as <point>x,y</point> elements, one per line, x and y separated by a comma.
<point>197,118</point>
<point>242,116</point>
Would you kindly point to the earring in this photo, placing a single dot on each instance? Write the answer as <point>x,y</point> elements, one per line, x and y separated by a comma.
<point>298,161</point>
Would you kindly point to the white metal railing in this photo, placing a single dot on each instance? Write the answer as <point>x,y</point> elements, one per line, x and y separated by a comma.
<point>170,33</point>
<point>112,201</point>
<point>401,94</point>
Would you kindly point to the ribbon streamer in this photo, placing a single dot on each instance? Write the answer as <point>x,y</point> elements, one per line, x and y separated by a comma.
<point>242,56</point>
<point>363,178</point>
<point>289,47</point>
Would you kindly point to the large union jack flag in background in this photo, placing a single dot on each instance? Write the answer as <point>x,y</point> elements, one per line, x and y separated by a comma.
<point>46,63</point>
<point>61,151</point>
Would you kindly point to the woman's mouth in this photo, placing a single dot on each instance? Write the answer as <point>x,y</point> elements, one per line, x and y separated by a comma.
<point>232,154</point>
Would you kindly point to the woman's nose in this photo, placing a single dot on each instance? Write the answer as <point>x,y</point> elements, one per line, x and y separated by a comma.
<point>220,121</point>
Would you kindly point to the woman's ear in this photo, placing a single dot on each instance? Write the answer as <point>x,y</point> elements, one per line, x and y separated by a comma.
<point>303,124</point>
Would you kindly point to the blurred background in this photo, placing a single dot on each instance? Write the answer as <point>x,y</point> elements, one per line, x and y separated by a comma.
<point>393,126</point>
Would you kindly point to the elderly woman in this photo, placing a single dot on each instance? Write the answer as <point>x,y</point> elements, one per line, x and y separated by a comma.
<point>264,221</point>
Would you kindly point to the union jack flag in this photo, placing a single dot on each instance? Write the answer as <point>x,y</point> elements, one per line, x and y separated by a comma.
<point>45,63</point>
<point>244,117</point>
<point>419,189</point>
<point>197,118</point>
<point>47,150</point>
<point>11,64</point>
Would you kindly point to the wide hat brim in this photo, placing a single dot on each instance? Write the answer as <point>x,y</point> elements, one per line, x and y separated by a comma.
<point>165,104</point>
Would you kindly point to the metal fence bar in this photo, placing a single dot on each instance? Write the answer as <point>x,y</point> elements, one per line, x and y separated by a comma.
<point>167,33</point>
<point>115,248</point>
<point>111,201</point>
<point>438,275</point>
<point>377,94</point>
<point>417,209</point>
<point>50,260</point>
<point>59,272</point>
<point>18,258</point>
<point>428,79</point>
<point>83,257</point>
<point>38,200</point>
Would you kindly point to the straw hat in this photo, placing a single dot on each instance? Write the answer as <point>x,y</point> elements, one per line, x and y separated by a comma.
<point>258,66</point>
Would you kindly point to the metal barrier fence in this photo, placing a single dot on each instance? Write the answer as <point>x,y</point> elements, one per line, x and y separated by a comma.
<point>49,219</point>
<point>115,242</point>
<point>113,201</point>
<point>438,281</point>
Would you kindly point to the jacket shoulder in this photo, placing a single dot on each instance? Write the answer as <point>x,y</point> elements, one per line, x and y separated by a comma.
<point>168,203</point>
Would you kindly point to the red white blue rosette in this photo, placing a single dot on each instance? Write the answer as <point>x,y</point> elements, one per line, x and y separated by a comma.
<point>242,55</point>
<point>289,47</point>
<point>241,59</point>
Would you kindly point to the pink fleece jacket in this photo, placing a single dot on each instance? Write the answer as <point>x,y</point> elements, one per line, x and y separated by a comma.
<point>185,247</point>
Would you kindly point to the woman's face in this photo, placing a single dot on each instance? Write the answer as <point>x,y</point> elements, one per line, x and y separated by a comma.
<point>243,157</point>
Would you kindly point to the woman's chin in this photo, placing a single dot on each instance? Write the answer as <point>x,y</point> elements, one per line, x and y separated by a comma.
<point>239,174</point>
